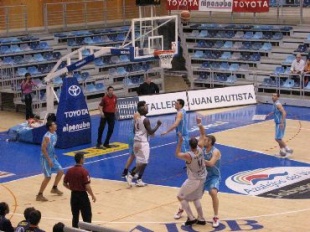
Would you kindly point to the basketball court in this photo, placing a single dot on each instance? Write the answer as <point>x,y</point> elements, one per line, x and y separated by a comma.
<point>259,191</point>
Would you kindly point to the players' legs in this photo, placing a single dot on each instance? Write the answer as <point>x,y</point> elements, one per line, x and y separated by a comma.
<point>130,159</point>
<point>100,131</point>
<point>47,171</point>
<point>58,169</point>
<point>215,201</point>
<point>111,123</point>
<point>198,207</point>
<point>279,134</point>
<point>44,183</point>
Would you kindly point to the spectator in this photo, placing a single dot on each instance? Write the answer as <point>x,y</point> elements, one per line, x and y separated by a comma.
<point>5,224</point>
<point>297,68</point>
<point>107,108</point>
<point>34,220</point>
<point>78,181</point>
<point>148,87</point>
<point>58,227</point>
<point>24,224</point>
<point>307,71</point>
<point>26,87</point>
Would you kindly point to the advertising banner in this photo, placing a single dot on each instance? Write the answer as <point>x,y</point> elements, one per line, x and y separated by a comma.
<point>182,5</point>
<point>126,107</point>
<point>216,98</point>
<point>163,103</point>
<point>216,5</point>
<point>73,119</point>
<point>251,6</point>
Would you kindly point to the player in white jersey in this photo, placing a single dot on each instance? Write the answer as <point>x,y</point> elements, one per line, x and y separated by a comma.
<point>141,145</point>
<point>213,165</point>
<point>193,188</point>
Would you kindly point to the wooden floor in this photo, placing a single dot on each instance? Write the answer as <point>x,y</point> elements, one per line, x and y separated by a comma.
<point>152,208</point>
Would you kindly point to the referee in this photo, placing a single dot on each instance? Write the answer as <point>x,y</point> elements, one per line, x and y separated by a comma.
<point>78,181</point>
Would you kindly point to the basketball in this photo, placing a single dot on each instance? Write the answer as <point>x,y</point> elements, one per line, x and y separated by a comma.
<point>185,16</point>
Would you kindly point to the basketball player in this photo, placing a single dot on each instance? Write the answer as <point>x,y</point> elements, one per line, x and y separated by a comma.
<point>193,188</point>
<point>280,123</point>
<point>180,125</point>
<point>131,140</point>
<point>213,164</point>
<point>49,161</point>
<point>141,144</point>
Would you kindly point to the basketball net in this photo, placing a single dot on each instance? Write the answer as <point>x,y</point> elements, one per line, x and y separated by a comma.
<point>165,57</point>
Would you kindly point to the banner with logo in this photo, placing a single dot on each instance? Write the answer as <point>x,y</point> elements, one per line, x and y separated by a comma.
<point>216,5</point>
<point>163,103</point>
<point>251,6</point>
<point>73,119</point>
<point>216,98</point>
<point>126,107</point>
<point>182,4</point>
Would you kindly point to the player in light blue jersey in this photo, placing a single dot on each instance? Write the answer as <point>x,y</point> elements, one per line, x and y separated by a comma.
<point>280,123</point>
<point>213,165</point>
<point>49,161</point>
<point>180,125</point>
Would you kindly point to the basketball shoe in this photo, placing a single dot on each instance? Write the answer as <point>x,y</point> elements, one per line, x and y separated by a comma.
<point>129,180</point>
<point>40,197</point>
<point>56,191</point>
<point>216,222</point>
<point>178,214</point>
<point>140,183</point>
<point>190,222</point>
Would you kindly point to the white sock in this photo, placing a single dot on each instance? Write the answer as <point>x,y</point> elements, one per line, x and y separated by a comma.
<point>287,148</point>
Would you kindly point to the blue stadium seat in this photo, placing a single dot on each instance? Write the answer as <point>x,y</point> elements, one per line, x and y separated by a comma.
<point>218,44</point>
<point>112,71</point>
<point>124,58</point>
<point>57,80</point>
<point>56,55</point>
<point>266,82</point>
<point>267,35</point>
<point>90,87</point>
<point>236,56</point>
<point>289,83</point>
<point>258,35</point>
<point>226,55</point>
<point>206,64</point>
<point>228,44</point>
<point>198,54</point>
<point>71,42</point>
<point>266,47</point>
<point>114,60</point>
<point>38,57</point>
<point>121,70</point>
<point>33,70</point>
<point>239,34</point>
<point>8,60</point>
<point>5,50</point>
<point>85,52</point>
<point>221,34</point>
<point>195,33</point>
<point>136,67</point>
<point>224,66</point>
<point>42,46</point>
<point>78,76</point>
<point>201,43</point>
<point>255,57</point>
<point>97,39</point>
<point>88,40</point>
<point>301,48</point>
<point>277,36</point>
<point>99,86</point>
<point>233,67</point>
<point>279,70</point>
<point>105,39</point>
<point>231,79</point>
<point>15,48</point>
<point>84,75</point>
<point>215,65</point>
<point>246,45</point>
<point>256,46</point>
<point>18,59</point>
<point>229,34</point>
<point>289,59</point>
<point>99,62</point>
<point>120,37</point>
<point>248,35</point>
<point>203,33</point>
<point>48,55</point>
<point>25,47</point>
<point>21,71</point>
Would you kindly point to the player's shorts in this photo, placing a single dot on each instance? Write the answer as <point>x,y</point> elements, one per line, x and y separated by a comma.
<point>192,190</point>
<point>279,131</point>
<point>130,145</point>
<point>47,170</point>
<point>185,144</point>
<point>212,182</point>
<point>142,152</point>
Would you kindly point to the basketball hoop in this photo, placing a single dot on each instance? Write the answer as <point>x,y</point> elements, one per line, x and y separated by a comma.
<point>165,57</point>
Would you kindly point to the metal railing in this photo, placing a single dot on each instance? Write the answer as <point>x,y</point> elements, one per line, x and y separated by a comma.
<point>13,18</point>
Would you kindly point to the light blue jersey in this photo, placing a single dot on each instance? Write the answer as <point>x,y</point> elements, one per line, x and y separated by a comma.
<point>183,128</point>
<point>213,173</point>
<point>46,168</point>
<point>51,145</point>
<point>277,113</point>
<point>279,131</point>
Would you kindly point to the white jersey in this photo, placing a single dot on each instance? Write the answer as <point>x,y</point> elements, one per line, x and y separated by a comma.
<point>196,169</point>
<point>141,134</point>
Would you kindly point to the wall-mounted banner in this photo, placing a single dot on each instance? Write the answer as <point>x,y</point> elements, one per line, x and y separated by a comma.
<point>182,5</point>
<point>216,5</point>
<point>251,6</point>
<point>126,107</point>
<point>163,103</point>
<point>216,98</point>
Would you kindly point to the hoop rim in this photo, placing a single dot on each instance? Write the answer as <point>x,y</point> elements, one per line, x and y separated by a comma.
<point>160,52</point>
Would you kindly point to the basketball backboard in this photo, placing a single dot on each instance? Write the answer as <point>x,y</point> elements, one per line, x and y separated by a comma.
<point>154,33</point>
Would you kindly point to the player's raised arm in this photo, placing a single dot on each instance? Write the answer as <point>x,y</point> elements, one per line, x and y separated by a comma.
<point>201,131</point>
<point>175,124</point>
<point>148,127</point>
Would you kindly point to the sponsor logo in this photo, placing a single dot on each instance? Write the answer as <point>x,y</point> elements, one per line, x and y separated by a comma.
<point>76,127</point>
<point>216,124</point>
<point>74,90</point>
<point>76,113</point>
<point>278,182</point>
